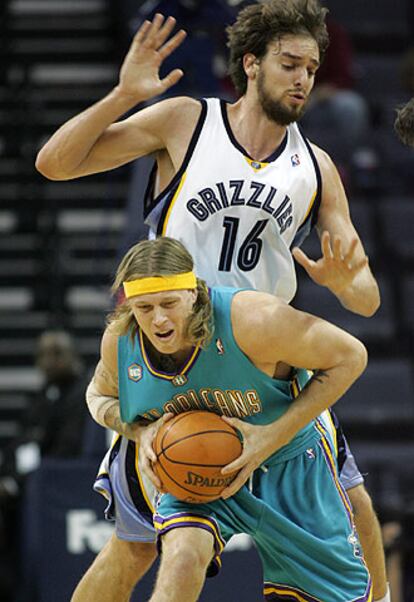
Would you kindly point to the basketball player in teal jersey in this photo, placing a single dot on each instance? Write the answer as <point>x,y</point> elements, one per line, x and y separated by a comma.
<point>175,346</point>
<point>279,185</point>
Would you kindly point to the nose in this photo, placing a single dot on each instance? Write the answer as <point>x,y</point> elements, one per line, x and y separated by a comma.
<point>301,78</point>
<point>158,317</point>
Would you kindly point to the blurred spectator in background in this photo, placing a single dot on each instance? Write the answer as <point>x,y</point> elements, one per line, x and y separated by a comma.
<point>404,123</point>
<point>54,424</point>
<point>52,427</point>
<point>337,116</point>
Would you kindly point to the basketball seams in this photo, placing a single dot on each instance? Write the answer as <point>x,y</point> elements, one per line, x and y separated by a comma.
<point>206,432</point>
<point>178,418</point>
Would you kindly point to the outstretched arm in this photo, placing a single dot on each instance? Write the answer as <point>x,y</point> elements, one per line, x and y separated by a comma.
<point>343,267</point>
<point>91,142</point>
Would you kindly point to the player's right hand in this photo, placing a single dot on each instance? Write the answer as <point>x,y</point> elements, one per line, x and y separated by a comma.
<point>139,76</point>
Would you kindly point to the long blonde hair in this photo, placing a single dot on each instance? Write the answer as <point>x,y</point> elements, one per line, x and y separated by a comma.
<point>160,257</point>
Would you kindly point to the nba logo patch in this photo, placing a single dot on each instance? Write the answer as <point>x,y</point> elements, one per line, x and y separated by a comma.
<point>179,380</point>
<point>295,160</point>
<point>134,372</point>
<point>220,347</point>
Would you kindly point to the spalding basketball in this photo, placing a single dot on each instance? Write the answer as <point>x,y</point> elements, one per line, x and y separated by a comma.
<point>191,449</point>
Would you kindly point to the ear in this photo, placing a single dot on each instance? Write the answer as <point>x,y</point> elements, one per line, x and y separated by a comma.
<point>250,65</point>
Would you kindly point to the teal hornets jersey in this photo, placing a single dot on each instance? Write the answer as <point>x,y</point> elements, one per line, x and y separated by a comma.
<point>219,379</point>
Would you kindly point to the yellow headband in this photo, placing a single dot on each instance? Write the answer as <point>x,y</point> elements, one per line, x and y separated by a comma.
<point>156,284</point>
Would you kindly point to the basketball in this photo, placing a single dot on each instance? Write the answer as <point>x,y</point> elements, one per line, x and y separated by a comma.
<point>191,450</point>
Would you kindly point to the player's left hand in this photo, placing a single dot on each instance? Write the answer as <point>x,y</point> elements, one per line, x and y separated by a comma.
<point>258,444</point>
<point>336,269</point>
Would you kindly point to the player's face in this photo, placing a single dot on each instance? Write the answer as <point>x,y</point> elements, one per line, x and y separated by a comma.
<point>163,318</point>
<point>286,76</point>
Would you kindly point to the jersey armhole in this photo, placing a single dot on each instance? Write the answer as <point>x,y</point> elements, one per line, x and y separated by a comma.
<point>149,201</point>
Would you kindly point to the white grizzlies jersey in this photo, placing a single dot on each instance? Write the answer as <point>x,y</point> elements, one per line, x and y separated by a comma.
<point>239,218</point>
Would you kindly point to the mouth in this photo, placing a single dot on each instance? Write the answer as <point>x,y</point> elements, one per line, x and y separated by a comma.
<point>297,97</point>
<point>163,336</point>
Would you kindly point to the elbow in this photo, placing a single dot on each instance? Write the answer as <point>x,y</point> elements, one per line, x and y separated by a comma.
<point>372,306</point>
<point>371,303</point>
<point>358,358</point>
<point>47,168</point>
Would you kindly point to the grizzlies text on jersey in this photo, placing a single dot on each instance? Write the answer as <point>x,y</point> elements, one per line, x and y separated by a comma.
<point>239,217</point>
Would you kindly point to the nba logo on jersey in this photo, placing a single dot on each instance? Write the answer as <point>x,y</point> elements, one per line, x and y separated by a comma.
<point>295,160</point>
<point>134,372</point>
<point>179,380</point>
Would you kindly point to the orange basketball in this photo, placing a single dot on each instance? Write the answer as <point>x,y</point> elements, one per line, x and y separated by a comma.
<point>191,449</point>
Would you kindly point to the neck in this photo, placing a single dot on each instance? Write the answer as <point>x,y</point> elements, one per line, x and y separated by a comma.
<point>170,363</point>
<point>258,134</point>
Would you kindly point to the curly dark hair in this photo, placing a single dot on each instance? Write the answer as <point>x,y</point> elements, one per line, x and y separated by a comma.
<point>264,22</point>
<point>404,123</point>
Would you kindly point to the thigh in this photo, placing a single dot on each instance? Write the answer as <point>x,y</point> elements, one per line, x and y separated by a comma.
<point>127,491</point>
<point>349,472</point>
<point>222,519</point>
<point>307,538</point>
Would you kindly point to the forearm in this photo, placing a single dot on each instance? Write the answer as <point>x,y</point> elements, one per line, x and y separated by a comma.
<point>72,142</point>
<point>362,296</point>
<point>112,420</point>
<point>323,390</point>
<point>105,410</point>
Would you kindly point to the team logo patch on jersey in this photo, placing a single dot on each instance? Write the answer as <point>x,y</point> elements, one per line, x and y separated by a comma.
<point>256,165</point>
<point>295,160</point>
<point>134,372</point>
<point>179,380</point>
<point>220,347</point>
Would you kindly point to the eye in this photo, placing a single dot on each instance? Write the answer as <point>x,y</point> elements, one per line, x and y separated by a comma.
<point>288,67</point>
<point>144,308</point>
<point>169,304</point>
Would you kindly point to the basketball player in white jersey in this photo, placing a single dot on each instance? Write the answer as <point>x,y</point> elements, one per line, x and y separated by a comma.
<point>239,185</point>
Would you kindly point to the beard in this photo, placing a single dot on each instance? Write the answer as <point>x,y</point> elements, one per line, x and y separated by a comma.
<point>274,109</point>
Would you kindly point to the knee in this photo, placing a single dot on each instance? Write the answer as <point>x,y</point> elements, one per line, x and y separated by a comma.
<point>182,552</point>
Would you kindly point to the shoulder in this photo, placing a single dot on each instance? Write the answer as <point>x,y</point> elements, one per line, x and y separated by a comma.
<point>333,192</point>
<point>326,165</point>
<point>167,112</point>
<point>109,347</point>
<point>251,314</point>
